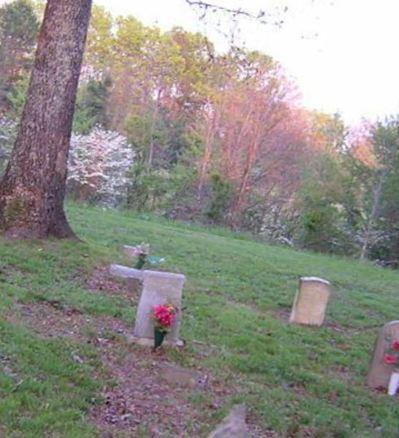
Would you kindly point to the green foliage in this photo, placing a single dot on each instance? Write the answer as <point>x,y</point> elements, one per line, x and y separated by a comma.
<point>18,29</point>
<point>91,106</point>
<point>18,22</point>
<point>322,200</point>
<point>16,98</point>
<point>158,189</point>
<point>8,132</point>
<point>222,192</point>
<point>386,146</point>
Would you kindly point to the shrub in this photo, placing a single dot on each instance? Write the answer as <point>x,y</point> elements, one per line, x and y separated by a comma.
<point>98,167</point>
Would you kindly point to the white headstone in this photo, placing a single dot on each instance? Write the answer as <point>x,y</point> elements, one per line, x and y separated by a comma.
<point>158,288</point>
<point>310,302</point>
<point>126,272</point>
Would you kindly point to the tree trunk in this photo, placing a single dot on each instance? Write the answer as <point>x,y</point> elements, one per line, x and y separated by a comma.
<point>33,188</point>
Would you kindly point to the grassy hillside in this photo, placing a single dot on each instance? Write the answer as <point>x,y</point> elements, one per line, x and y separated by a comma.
<point>62,347</point>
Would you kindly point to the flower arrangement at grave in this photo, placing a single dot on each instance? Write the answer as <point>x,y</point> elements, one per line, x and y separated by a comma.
<point>142,252</point>
<point>164,316</point>
<point>391,355</point>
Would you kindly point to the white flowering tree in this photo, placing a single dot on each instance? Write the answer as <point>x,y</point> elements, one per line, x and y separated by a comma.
<point>98,167</point>
<point>8,132</point>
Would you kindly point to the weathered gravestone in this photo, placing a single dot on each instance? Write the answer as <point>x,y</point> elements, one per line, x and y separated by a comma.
<point>130,251</point>
<point>310,302</point>
<point>380,371</point>
<point>133,277</point>
<point>158,288</point>
<point>126,272</point>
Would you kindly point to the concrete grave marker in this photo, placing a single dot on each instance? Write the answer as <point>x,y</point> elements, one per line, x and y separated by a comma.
<point>310,302</point>
<point>133,277</point>
<point>380,372</point>
<point>126,272</point>
<point>158,288</point>
<point>130,251</point>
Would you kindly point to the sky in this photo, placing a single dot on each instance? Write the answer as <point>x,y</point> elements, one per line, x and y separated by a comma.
<point>341,53</point>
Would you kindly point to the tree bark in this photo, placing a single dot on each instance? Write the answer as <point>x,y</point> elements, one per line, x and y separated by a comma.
<point>33,187</point>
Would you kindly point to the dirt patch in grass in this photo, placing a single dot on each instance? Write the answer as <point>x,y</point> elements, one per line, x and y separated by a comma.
<point>144,392</point>
<point>7,272</point>
<point>101,281</point>
<point>48,320</point>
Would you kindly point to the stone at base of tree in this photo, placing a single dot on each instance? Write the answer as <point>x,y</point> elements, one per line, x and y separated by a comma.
<point>379,371</point>
<point>310,302</point>
<point>233,426</point>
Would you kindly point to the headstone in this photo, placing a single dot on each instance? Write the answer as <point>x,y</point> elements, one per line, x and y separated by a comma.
<point>126,272</point>
<point>379,371</point>
<point>310,302</point>
<point>158,288</point>
<point>133,277</point>
<point>130,251</point>
<point>233,426</point>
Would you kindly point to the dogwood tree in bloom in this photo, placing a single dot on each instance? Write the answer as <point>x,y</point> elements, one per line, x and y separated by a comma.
<point>98,167</point>
<point>8,132</point>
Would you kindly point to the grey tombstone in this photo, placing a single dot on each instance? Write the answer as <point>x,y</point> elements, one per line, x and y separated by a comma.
<point>158,288</point>
<point>133,277</point>
<point>130,251</point>
<point>126,272</point>
<point>380,372</point>
<point>311,301</point>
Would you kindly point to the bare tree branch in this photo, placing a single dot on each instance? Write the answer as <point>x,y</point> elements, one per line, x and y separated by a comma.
<point>262,17</point>
<point>234,12</point>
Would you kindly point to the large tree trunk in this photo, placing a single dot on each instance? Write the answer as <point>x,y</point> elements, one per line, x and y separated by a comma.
<point>33,188</point>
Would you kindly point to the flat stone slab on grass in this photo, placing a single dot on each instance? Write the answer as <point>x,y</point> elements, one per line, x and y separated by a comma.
<point>310,302</point>
<point>233,426</point>
<point>379,371</point>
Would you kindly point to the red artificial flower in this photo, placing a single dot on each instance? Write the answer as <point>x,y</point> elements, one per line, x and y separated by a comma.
<point>390,359</point>
<point>164,315</point>
<point>395,345</point>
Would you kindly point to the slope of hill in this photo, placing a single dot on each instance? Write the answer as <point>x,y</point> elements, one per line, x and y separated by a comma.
<point>67,370</point>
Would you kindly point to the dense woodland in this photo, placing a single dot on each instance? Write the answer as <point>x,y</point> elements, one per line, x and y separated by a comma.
<point>165,123</point>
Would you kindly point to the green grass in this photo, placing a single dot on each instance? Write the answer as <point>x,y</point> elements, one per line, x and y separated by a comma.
<point>293,379</point>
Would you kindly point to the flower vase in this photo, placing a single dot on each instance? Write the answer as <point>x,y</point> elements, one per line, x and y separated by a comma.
<point>159,336</point>
<point>141,261</point>
<point>393,383</point>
